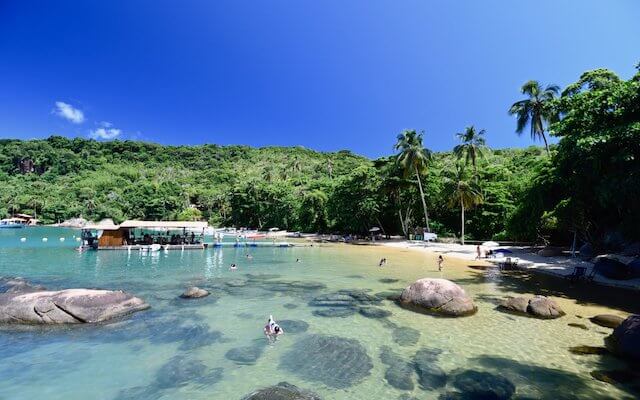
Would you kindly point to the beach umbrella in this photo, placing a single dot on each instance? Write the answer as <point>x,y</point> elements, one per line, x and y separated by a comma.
<point>490,244</point>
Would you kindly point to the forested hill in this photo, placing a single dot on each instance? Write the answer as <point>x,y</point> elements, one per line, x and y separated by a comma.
<point>287,187</point>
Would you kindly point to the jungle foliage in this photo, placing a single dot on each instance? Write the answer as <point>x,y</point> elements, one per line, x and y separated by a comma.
<point>589,184</point>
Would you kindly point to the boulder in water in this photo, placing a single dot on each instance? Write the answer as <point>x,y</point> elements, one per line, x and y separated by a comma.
<point>625,339</point>
<point>194,293</point>
<point>539,307</point>
<point>437,296</point>
<point>71,306</point>
<point>282,391</point>
<point>607,320</point>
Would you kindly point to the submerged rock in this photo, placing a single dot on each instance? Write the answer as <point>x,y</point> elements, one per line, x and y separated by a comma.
<point>245,355</point>
<point>405,336</point>
<point>339,312</point>
<point>607,320</point>
<point>181,370</point>
<point>71,306</point>
<point>483,385</point>
<point>616,376</point>
<point>625,339</point>
<point>579,326</point>
<point>539,307</point>
<point>399,373</point>
<point>194,293</point>
<point>293,326</point>
<point>335,361</point>
<point>290,306</point>
<point>18,285</point>
<point>438,296</point>
<point>587,350</point>
<point>282,391</point>
<point>430,375</point>
<point>388,280</point>
<point>374,312</point>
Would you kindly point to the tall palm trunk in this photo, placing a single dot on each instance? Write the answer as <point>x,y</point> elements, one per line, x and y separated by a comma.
<point>546,146</point>
<point>424,203</point>
<point>462,214</point>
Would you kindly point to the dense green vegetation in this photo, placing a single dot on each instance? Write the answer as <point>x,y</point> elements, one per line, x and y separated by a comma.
<point>292,188</point>
<point>588,184</point>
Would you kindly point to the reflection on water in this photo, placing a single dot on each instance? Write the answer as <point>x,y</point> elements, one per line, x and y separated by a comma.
<point>344,339</point>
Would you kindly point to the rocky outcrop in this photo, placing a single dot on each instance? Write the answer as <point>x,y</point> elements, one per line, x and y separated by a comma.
<point>437,296</point>
<point>607,320</point>
<point>550,252</point>
<point>613,267</point>
<point>194,293</point>
<point>282,391</point>
<point>539,307</point>
<point>71,306</point>
<point>625,339</point>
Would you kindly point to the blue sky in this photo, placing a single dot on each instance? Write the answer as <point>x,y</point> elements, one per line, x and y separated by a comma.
<point>327,75</point>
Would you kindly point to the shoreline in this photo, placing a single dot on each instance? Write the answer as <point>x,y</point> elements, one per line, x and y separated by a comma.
<point>559,266</point>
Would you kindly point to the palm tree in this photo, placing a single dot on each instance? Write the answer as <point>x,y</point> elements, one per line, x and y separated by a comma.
<point>463,193</point>
<point>413,157</point>
<point>473,146</point>
<point>536,110</point>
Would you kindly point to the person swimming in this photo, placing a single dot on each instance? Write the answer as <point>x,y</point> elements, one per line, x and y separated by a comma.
<point>383,262</point>
<point>233,267</point>
<point>298,260</point>
<point>249,257</point>
<point>272,330</point>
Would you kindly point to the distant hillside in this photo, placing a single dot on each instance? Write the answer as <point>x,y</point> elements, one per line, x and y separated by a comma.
<point>288,187</point>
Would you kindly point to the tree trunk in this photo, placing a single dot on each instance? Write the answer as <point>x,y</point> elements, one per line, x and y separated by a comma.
<point>462,226</point>
<point>546,146</point>
<point>424,203</point>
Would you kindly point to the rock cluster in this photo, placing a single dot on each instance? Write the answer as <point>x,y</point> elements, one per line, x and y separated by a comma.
<point>538,306</point>
<point>23,303</point>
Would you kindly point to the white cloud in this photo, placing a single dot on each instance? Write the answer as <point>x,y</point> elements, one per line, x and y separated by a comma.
<point>106,131</point>
<point>68,112</point>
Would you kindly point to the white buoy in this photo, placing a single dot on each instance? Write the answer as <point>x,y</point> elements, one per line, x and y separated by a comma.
<point>23,239</point>
<point>44,239</point>
<point>62,239</point>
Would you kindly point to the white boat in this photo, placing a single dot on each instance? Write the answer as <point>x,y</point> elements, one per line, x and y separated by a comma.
<point>12,223</point>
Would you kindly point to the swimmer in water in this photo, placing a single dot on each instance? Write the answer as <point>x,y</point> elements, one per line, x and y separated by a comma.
<point>383,262</point>
<point>272,330</point>
<point>233,267</point>
<point>298,260</point>
<point>249,257</point>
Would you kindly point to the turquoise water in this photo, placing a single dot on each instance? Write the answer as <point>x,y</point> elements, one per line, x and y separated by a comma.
<point>213,348</point>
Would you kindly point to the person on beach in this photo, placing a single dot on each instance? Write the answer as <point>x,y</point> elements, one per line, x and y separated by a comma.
<point>440,261</point>
<point>478,253</point>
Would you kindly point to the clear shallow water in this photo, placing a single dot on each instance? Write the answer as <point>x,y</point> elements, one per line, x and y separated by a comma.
<point>138,357</point>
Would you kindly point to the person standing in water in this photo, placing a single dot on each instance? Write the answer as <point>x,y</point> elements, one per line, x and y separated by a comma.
<point>440,261</point>
<point>272,330</point>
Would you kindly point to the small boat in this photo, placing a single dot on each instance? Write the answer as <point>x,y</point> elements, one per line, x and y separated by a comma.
<point>12,223</point>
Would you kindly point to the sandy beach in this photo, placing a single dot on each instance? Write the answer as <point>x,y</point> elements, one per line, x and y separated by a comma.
<point>561,266</point>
